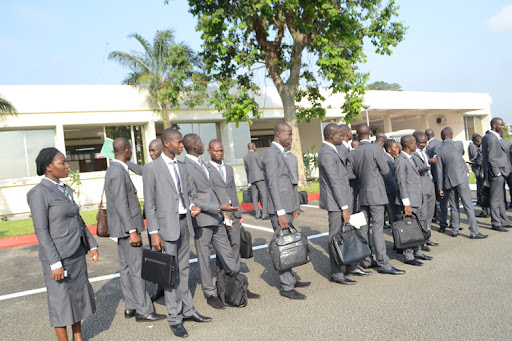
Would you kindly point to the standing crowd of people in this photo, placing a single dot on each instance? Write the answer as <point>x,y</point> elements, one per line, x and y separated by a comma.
<point>419,176</point>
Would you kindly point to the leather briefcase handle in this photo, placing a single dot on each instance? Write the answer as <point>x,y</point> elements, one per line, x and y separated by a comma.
<point>279,231</point>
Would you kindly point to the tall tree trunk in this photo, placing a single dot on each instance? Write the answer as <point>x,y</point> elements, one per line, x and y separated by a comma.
<point>166,117</point>
<point>290,117</point>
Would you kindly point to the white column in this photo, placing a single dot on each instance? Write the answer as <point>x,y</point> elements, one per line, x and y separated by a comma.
<point>60,143</point>
<point>388,125</point>
<point>148,136</point>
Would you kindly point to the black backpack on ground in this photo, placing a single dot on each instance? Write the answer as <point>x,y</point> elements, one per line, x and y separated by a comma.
<point>232,289</point>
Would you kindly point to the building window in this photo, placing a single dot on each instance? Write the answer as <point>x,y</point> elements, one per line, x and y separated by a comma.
<point>469,126</point>
<point>262,141</point>
<point>20,149</point>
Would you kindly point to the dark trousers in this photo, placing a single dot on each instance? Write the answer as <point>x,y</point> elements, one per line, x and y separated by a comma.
<point>259,193</point>
<point>233,233</point>
<point>497,205</point>
<point>376,215</point>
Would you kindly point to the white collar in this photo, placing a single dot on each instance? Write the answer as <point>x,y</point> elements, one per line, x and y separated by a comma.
<point>167,159</point>
<point>59,183</point>
<point>346,144</point>
<point>216,164</point>
<point>251,150</point>
<point>497,134</point>
<point>281,148</point>
<point>331,145</point>
<point>365,140</point>
<point>125,166</point>
<point>431,139</point>
<point>194,158</point>
<point>408,156</point>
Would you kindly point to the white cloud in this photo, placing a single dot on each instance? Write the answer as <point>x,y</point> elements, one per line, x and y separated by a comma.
<point>502,22</point>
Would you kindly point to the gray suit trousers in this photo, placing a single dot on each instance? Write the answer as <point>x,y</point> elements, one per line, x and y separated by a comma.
<point>233,233</point>
<point>376,213</point>
<point>178,301</point>
<point>204,239</point>
<point>335,225</point>
<point>463,192</point>
<point>416,250</point>
<point>443,206</point>
<point>132,285</point>
<point>498,210</point>
<point>287,277</point>
<point>259,193</point>
<point>427,210</point>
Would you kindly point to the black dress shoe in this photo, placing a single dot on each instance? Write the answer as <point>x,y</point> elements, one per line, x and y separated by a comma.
<point>215,302</point>
<point>431,243</point>
<point>500,228</point>
<point>251,295</point>
<point>414,262</point>
<point>129,313</point>
<point>342,280</point>
<point>425,248</point>
<point>359,272</point>
<point>390,271</point>
<point>292,294</point>
<point>373,264</point>
<point>257,216</point>
<point>149,317</point>
<point>451,234</point>
<point>479,236</point>
<point>265,217</point>
<point>424,257</point>
<point>179,330</point>
<point>299,284</point>
<point>442,229</point>
<point>158,294</point>
<point>198,318</point>
<point>483,215</point>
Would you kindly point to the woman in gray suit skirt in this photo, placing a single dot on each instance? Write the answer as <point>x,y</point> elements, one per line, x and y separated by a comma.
<point>61,250</point>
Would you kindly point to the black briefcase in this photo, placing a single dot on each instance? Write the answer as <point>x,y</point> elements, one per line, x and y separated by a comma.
<point>288,250</point>
<point>245,244</point>
<point>409,232</point>
<point>247,196</point>
<point>485,197</point>
<point>348,246</point>
<point>303,197</point>
<point>159,267</point>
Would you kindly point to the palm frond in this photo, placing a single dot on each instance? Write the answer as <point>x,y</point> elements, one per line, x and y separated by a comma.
<point>6,107</point>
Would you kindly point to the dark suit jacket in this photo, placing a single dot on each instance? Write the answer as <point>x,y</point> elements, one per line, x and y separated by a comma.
<point>369,165</point>
<point>161,199</point>
<point>123,208</point>
<point>279,182</point>
<point>225,191</point>
<point>431,150</point>
<point>389,179</point>
<point>253,167</point>
<point>427,185</point>
<point>205,199</point>
<point>55,220</point>
<point>451,168</point>
<point>334,187</point>
<point>476,157</point>
<point>408,180</point>
<point>495,156</point>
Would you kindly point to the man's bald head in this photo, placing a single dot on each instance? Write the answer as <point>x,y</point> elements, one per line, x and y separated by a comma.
<point>283,134</point>
<point>380,140</point>
<point>169,134</point>
<point>330,130</point>
<point>214,143</point>
<point>120,145</point>
<point>281,127</point>
<point>447,133</point>
<point>406,141</point>
<point>363,131</point>
<point>430,133</point>
<point>251,146</point>
<point>189,141</point>
<point>155,149</point>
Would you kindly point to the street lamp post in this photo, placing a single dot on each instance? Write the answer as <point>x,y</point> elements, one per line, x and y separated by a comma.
<point>366,106</point>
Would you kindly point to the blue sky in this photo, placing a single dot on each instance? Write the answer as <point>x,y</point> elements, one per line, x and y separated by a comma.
<point>450,46</point>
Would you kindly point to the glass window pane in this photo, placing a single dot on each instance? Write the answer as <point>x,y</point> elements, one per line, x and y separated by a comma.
<point>13,155</point>
<point>37,140</point>
<point>241,137</point>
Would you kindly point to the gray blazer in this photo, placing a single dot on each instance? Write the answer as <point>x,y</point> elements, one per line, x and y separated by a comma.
<point>55,220</point>
<point>161,199</point>
<point>408,180</point>
<point>343,152</point>
<point>369,165</point>
<point>476,157</point>
<point>253,167</point>
<point>225,191</point>
<point>431,150</point>
<point>495,158</point>
<point>427,185</point>
<point>334,187</point>
<point>451,168</point>
<point>294,168</point>
<point>279,182</point>
<point>389,179</point>
<point>205,199</point>
<point>123,208</point>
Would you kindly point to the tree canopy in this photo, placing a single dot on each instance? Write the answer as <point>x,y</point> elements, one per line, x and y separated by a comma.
<point>6,107</point>
<point>384,86</point>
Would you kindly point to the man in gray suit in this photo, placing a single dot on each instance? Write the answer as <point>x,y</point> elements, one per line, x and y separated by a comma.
<point>392,150</point>
<point>281,203</point>
<point>431,149</point>
<point>410,192</point>
<point>209,225</point>
<point>256,180</point>
<point>477,159</point>
<point>452,175</point>
<point>369,165</point>
<point>293,162</point>
<point>496,167</point>
<point>125,224</point>
<point>169,194</point>
<point>424,163</point>
<point>334,188</point>
<point>344,149</point>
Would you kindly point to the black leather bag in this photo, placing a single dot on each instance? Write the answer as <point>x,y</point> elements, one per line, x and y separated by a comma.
<point>245,244</point>
<point>232,289</point>
<point>348,246</point>
<point>83,234</point>
<point>303,197</point>
<point>289,250</point>
<point>485,197</point>
<point>159,267</point>
<point>247,196</point>
<point>409,232</point>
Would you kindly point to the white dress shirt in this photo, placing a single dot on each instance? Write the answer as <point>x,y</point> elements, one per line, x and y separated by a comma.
<point>406,201</point>
<point>347,145</point>
<point>200,163</point>
<point>281,148</point>
<point>171,163</point>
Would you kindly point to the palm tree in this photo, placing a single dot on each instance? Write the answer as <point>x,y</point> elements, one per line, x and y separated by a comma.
<point>6,107</point>
<point>152,67</point>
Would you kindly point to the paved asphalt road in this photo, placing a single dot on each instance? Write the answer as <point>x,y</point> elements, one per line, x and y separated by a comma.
<point>465,293</point>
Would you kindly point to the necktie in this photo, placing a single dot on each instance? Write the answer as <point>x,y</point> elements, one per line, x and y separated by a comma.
<point>178,182</point>
<point>222,173</point>
<point>62,189</point>
<point>203,167</point>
